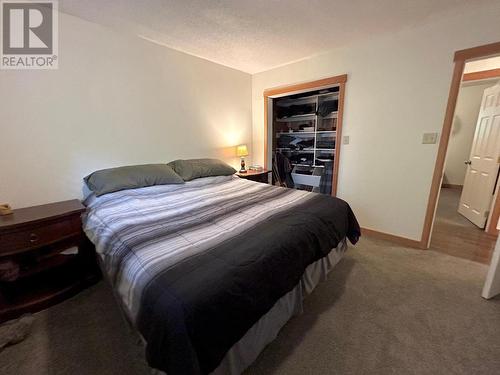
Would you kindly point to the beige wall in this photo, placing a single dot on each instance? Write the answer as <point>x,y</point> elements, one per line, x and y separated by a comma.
<point>462,134</point>
<point>115,100</point>
<point>397,89</point>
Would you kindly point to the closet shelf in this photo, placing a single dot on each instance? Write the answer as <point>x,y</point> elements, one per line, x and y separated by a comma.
<point>330,116</point>
<point>308,165</point>
<point>310,116</point>
<point>332,132</point>
<point>290,102</point>
<point>304,149</point>
<point>324,160</point>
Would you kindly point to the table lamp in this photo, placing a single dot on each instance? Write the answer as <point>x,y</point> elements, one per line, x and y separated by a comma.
<point>242,151</point>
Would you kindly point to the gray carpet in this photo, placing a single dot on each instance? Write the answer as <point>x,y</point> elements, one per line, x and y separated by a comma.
<point>384,310</point>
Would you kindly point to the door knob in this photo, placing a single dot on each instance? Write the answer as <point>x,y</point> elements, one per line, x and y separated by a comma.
<point>468,162</point>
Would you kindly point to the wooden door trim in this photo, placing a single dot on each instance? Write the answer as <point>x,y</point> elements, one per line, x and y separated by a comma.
<point>339,80</point>
<point>483,74</point>
<point>398,240</point>
<point>477,52</point>
<point>309,86</point>
<point>338,138</point>
<point>266,150</point>
<point>491,225</point>
<point>459,59</point>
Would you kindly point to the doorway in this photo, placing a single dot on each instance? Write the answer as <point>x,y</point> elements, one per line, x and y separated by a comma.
<point>466,215</point>
<point>300,113</point>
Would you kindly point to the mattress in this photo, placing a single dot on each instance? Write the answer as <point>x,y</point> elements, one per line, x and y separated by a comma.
<point>196,266</point>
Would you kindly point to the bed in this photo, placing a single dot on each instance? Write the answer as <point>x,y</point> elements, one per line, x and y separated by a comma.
<point>208,271</point>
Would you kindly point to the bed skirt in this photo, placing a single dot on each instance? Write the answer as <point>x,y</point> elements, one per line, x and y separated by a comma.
<point>245,352</point>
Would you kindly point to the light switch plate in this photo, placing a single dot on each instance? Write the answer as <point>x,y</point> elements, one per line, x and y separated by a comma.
<point>429,138</point>
<point>345,139</point>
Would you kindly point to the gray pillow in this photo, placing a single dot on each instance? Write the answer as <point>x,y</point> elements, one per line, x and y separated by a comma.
<point>196,168</point>
<point>131,177</point>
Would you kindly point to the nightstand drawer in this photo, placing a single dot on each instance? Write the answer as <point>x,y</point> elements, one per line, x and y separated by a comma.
<point>33,237</point>
<point>37,274</point>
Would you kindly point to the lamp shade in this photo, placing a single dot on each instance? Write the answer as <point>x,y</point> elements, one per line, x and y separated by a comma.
<point>241,150</point>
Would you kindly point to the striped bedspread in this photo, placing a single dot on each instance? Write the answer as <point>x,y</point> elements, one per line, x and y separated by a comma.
<point>196,265</point>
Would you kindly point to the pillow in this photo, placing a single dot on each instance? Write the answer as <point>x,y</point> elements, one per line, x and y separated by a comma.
<point>131,177</point>
<point>196,168</point>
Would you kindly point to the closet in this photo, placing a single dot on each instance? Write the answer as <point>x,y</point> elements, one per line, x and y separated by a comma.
<point>304,136</point>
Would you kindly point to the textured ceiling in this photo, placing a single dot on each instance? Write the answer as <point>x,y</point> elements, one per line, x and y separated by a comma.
<point>256,35</point>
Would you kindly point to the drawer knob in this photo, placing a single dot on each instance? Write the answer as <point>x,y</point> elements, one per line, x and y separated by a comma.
<point>33,238</point>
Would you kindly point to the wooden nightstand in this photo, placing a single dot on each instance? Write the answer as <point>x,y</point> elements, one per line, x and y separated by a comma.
<point>34,271</point>
<point>257,176</point>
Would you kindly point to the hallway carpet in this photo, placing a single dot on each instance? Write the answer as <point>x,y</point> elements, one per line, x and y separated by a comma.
<point>384,310</point>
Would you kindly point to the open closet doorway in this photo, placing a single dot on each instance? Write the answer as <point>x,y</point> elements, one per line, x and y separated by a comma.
<point>466,219</point>
<point>303,129</point>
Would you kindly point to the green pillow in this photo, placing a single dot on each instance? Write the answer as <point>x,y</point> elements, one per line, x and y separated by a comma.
<point>196,168</point>
<point>131,177</point>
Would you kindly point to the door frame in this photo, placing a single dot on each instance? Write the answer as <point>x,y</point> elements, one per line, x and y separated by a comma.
<point>483,74</point>
<point>319,84</point>
<point>459,59</point>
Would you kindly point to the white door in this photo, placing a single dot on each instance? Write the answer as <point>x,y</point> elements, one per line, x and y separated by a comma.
<point>482,168</point>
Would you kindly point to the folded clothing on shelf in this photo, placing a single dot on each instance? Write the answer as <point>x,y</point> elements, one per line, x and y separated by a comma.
<point>295,110</point>
<point>327,127</point>
<point>305,143</point>
<point>325,143</point>
<point>285,140</point>
<point>288,141</point>
<point>325,157</point>
<point>324,161</point>
<point>308,127</point>
<point>304,158</point>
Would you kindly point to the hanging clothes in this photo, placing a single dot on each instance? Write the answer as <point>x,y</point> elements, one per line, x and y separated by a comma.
<point>325,185</point>
<point>327,107</point>
<point>284,169</point>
